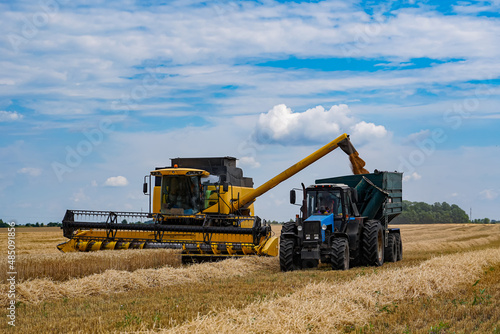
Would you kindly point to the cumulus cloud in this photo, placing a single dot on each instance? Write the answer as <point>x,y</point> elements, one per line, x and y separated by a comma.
<point>281,125</point>
<point>413,176</point>
<point>31,171</point>
<point>116,181</point>
<point>79,196</point>
<point>489,194</point>
<point>10,116</point>
<point>418,136</point>
<point>248,162</point>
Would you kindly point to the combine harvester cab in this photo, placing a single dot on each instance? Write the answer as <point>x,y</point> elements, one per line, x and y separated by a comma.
<point>202,206</point>
<point>344,222</point>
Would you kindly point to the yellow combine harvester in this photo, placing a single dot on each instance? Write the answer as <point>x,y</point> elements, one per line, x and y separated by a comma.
<point>203,206</point>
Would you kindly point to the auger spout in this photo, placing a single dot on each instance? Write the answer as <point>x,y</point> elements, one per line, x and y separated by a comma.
<point>342,141</point>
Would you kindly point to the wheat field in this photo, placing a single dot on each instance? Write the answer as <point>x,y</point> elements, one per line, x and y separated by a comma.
<point>447,282</point>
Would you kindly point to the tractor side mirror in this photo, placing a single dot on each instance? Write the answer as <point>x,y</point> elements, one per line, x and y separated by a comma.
<point>145,188</point>
<point>293,197</point>
<point>225,186</point>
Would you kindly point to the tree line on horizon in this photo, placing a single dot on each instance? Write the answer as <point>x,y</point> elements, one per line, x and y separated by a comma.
<point>437,213</point>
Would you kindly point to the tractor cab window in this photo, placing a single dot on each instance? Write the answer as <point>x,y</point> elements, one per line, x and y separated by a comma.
<point>324,202</point>
<point>181,195</point>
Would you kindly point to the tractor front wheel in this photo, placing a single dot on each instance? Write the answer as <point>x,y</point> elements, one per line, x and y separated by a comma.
<point>340,254</point>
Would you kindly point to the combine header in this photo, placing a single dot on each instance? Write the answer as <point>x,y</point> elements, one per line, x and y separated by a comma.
<point>202,206</point>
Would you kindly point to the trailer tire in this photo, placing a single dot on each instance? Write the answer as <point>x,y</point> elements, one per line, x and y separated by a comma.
<point>340,254</point>
<point>399,244</point>
<point>391,249</point>
<point>372,244</point>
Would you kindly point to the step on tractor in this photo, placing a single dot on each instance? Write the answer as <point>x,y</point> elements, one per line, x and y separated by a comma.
<point>343,222</point>
<point>201,206</point>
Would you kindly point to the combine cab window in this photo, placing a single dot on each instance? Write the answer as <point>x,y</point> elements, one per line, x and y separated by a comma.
<point>324,203</point>
<point>181,195</point>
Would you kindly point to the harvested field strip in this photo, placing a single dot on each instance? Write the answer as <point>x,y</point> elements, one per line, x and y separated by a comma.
<point>440,237</point>
<point>63,266</point>
<point>113,281</point>
<point>325,308</point>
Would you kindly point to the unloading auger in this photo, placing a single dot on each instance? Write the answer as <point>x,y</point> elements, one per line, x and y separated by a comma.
<point>202,206</point>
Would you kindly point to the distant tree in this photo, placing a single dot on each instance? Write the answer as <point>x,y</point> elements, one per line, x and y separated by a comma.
<point>124,221</point>
<point>2,224</point>
<point>437,213</point>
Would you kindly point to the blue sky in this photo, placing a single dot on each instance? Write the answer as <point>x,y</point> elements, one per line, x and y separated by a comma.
<point>94,95</point>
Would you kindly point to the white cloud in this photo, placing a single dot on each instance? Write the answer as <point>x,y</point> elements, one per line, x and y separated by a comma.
<point>10,116</point>
<point>31,171</point>
<point>93,183</point>
<point>489,194</point>
<point>116,181</point>
<point>413,176</point>
<point>248,162</point>
<point>368,131</point>
<point>79,196</point>
<point>418,136</point>
<point>283,126</point>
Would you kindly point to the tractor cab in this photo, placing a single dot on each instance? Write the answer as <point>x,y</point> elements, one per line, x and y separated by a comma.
<point>326,209</point>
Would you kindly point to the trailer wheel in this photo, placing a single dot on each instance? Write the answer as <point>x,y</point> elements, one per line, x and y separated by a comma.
<point>399,244</point>
<point>391,249</point>
<point>373,244</point>
<point>340,254</point>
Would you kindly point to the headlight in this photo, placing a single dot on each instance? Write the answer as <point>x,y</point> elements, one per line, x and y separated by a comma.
<point>299,228</point>
<point>323,227</point>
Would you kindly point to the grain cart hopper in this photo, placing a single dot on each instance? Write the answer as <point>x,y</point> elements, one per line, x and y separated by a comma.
<point>344,221</point>
<point>202,206</point>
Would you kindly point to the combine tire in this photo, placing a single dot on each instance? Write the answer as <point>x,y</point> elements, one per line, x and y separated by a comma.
<point>399,244</point>
<point>391,249</point>
<point>340,254</point>
<point>373,244</point>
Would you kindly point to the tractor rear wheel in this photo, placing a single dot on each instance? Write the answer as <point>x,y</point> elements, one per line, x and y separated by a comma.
<point>372,244</point>
<point>399,244</point>
<point>391,249</point>
<point>340,254</point>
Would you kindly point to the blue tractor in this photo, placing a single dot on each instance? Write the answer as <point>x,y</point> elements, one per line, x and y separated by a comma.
<point>344,222</point>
